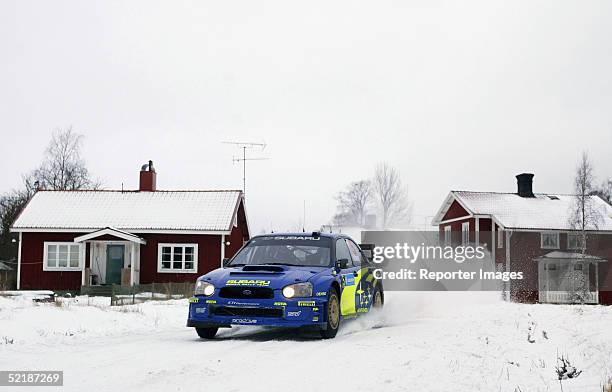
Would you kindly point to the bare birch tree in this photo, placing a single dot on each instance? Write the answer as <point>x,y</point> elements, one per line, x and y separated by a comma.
<point>585,213</point>
<point>353,203</point>
<point>605,191</point>
<point>63,168</point>
<point>585,216</point>
<point>391,195</point>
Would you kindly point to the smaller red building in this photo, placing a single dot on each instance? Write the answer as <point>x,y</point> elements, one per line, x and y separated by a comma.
<point>532,232</point>
<point>70,239</point>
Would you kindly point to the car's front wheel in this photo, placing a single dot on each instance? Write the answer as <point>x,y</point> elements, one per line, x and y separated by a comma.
<point>207,333</point>
<point>333,315</point>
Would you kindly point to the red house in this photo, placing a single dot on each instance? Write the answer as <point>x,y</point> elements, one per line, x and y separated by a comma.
<point>70,239</point>
<point>533,233</point>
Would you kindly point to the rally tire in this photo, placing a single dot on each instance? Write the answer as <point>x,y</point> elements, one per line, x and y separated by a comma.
<point>378,300</point>
<point>207,333</point>
<point>333,315</point>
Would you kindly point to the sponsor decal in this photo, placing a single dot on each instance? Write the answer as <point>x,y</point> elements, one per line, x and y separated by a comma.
<point>294,314</point>
<point>244,321</point>
<point>280,303</point>
<point>348,279</point>
<point>194,300</point>
<point>211,301</point>
<point>315,319</point>
<point>321,293</point>
<point>243,303</point>
<point>363,310</point>
<point>200,310</point>
<point>289,237</point>
<point>306,303</point>
<point>247,282</point>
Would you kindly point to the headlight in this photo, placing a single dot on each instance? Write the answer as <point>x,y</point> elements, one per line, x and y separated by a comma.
<point>298,290</point>
<point>204,288</point>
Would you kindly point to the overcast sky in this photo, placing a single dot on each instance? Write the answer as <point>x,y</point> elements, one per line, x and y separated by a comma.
<point>457,95</point>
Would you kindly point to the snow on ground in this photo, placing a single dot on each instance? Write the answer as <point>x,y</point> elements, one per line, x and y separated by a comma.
<point>418,342</point>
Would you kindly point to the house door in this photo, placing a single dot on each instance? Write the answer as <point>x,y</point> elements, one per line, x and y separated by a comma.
<point>114,263</point>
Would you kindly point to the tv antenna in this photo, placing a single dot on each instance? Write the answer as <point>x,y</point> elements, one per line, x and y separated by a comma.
<point>246,146</point>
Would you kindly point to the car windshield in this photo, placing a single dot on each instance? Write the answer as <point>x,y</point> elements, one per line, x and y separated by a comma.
<point>285,250</point>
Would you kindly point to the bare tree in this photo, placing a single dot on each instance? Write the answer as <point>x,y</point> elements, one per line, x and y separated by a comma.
<point>353,203</point>
<point>605,191</point>
<point>391,195</point>
<point>585,214</point>
<point>63,167</point>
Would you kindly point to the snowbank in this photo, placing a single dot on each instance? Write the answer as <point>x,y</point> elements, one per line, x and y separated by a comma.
<point>418,342</point>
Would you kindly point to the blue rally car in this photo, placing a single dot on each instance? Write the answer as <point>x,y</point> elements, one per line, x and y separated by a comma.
<point>287,280</point>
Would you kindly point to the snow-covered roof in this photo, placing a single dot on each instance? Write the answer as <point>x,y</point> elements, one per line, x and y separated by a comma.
<point>200,211</point>
<point>559,255</point>
<point>543,211</point>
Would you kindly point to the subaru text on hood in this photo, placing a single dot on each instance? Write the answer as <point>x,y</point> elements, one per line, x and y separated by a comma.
<point>287,280</point>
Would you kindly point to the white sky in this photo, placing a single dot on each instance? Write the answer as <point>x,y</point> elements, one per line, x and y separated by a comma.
<point>457,95</point>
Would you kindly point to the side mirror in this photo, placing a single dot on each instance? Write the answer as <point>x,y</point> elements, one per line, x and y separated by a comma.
<point>342,263</point>
<point>226,261</point>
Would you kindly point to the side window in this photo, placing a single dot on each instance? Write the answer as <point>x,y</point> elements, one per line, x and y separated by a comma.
<point>342,251</point>
<point>355,253</point>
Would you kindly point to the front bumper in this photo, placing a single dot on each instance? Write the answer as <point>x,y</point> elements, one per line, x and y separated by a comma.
<point>224,312</point>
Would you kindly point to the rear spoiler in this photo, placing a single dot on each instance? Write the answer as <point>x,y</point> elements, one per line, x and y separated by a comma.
<point>368,250</point>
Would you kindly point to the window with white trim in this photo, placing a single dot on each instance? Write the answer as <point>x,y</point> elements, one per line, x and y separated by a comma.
<point>177,258</point>
<point>549,240</point>
<point>62,256</point>
<point>500,238</point>
<point>447,235</point>
<point>574,241</point>
<point>465,233</point>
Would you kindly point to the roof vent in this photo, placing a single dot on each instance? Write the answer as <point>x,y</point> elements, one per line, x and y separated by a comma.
<point>525,184</point>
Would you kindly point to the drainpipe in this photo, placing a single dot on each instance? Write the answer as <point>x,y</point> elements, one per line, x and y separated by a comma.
<point>19,262</point>
<point>222,249</point>
<point>493,245</point>
<point>508,236</point>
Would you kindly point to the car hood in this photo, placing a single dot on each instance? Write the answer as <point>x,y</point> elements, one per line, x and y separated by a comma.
<point>273,276</point>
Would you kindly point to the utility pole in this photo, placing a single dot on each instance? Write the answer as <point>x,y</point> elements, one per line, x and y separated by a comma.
<point>244,146</point>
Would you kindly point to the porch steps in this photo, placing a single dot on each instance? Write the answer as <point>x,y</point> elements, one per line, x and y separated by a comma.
<point>97,291</point>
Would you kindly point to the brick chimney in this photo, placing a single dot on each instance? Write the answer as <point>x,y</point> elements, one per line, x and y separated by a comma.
<point>524,182</point>
<point>148,178</point>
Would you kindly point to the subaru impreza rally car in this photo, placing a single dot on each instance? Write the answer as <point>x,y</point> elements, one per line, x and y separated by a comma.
<point>287,280</point>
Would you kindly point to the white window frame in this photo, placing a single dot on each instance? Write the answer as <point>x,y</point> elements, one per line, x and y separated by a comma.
<point>542,234</point>
<point>465,233</point>
<point>172,270</point>
<point>448,235</point>
<point>500,238</point>
<point>577,235</point>
<point>46,267</point>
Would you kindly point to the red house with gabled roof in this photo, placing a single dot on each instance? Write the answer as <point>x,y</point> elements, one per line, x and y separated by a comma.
<point>531,232</point>
<point>70,239</point>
